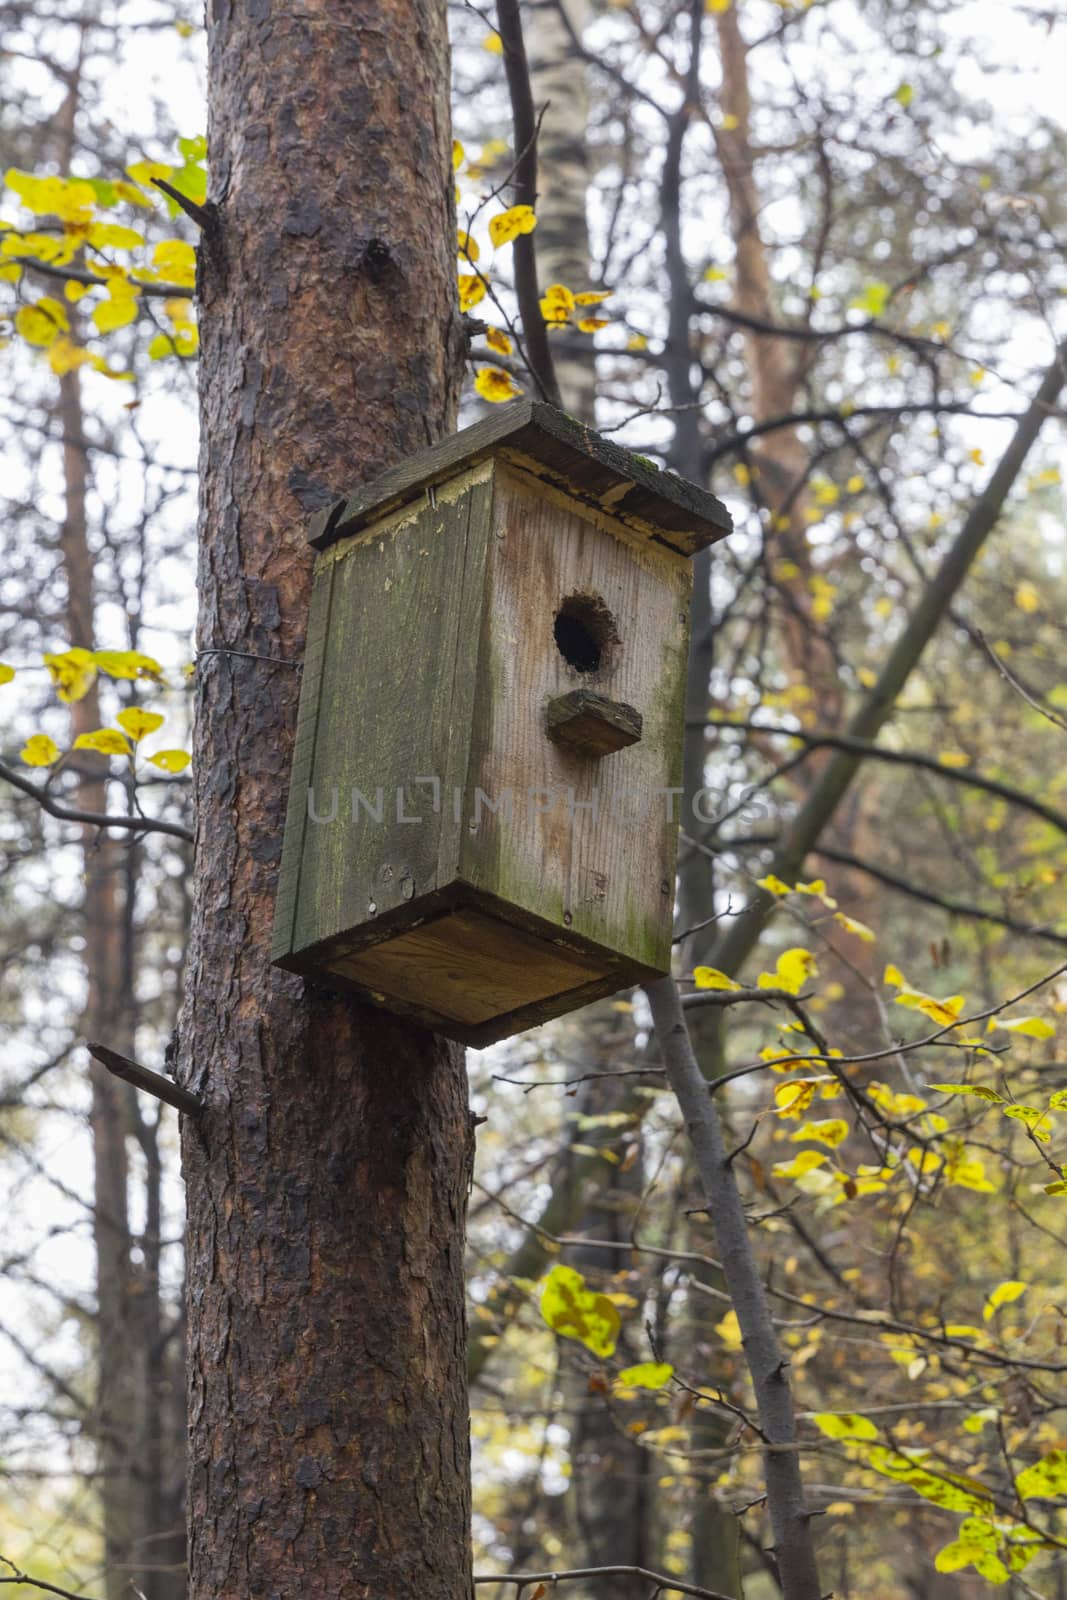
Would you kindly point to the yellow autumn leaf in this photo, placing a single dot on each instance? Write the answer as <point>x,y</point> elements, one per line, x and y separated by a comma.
<point>712,978</point>
<point>175,261</point>
<point>1003,1295</point>
<point>1031,1027</point>
<point>557,303</point>
<point>963,1170</point>
<point>806,1161</point>
<point>844,1425</point>
<point>575,1312</point>
<point>42,322</point>
<point>110,236</point>
<point>1035,1118</point>
<point>817,887</point>
<point>792,970</point>
<point>171,760</point>
<point>129,664</point>
<point>72,673</point>
<point>467,246</point>
<point>70,199</point>
<point>1047,1478</point>
<point>40,751</point>
<point>143,172</point>
<point>507,226</point>
<point>831,1131</point>
<point>457,155</point>
<point>6,672</point>
<point>108,741</point>
<point>860,929</point>
<point>499,341</point>
<point>593,297</point>
<point>493,44</point>
<point>471,290</point>
<point>494,384</point>
<point>646,1375</point>
<point>978,1090</point>
<point>115,313</point>
<point>66,356</point>
<point>946,1012</point>
<point>773,885</point>
<point>137,723</point>
<point>793,1099</point>
<point>593,324</point>
<point>729,1331</point>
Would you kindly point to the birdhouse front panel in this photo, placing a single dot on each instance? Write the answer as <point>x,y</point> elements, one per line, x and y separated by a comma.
<point>575,605</point>
<point>481,829</point>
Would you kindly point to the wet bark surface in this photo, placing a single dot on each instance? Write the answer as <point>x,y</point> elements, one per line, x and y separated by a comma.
<point>327,1179</point>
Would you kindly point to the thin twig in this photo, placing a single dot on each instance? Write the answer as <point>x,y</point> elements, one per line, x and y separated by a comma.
<point>97,819</point>
<point>576,1574</point>
<point>37,1583</point>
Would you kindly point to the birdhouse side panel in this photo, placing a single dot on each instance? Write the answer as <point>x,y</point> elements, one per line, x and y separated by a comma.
<point>393,715</point>
<point>583,839</point>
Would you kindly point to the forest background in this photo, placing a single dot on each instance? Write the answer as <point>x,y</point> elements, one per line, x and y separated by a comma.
<point>811,256</point>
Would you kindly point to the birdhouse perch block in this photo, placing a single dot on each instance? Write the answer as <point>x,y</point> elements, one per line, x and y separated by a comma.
<point>484,808</point>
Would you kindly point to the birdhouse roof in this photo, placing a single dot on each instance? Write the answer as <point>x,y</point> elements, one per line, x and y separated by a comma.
<point>666,509</point>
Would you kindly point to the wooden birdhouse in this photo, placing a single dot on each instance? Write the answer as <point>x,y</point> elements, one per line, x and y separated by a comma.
<point>484,810</point>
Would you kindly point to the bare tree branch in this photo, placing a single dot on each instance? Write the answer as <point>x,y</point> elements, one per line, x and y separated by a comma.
<point>524,119</point>
<point>55,808</point>
<point>790,1518</point>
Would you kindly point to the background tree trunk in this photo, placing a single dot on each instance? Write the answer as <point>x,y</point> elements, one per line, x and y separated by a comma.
<point>327,1182</point>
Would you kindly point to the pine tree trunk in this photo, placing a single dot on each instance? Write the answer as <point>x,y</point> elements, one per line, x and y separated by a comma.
<point>327,1180</point>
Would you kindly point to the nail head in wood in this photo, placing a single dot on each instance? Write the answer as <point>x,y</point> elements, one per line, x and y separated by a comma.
<point>591,723</point>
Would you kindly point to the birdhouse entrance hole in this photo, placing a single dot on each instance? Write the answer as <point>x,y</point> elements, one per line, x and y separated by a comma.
<point>585,632</point>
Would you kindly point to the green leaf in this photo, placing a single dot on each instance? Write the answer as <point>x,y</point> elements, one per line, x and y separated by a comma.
<point>979,1091</point>
<point>873,300</point>
<point>104,191</point>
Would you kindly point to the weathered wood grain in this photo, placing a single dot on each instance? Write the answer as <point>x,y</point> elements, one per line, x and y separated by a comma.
<point>665,508</point>
<point>591,723</point>
<point>590,845</point>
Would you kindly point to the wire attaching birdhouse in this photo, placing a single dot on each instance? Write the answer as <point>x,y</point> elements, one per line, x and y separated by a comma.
<point>484,810</point>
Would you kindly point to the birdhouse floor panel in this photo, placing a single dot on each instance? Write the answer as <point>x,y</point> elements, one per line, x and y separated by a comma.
<point>469,967</point>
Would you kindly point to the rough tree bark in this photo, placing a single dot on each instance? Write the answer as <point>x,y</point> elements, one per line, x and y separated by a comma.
<point>327,1179</point>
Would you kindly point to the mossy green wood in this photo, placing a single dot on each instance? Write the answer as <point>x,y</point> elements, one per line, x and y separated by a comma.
<point>392,647</point>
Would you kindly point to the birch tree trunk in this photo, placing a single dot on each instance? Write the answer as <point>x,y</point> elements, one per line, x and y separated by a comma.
<point>559,79</point>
